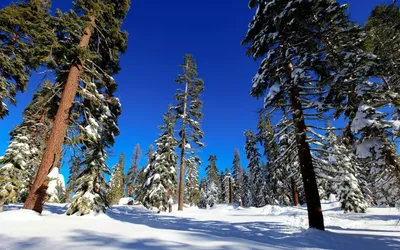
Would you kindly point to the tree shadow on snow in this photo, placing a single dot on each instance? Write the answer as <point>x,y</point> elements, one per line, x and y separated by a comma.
<point>83,239</point>
<point>269,233</point>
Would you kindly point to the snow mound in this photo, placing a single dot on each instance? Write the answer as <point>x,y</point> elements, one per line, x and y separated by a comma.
<point>19,215</point>
<point>125,200</point>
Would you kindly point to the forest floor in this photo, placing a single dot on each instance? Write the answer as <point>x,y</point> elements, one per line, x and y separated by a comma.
<point>222,227</point>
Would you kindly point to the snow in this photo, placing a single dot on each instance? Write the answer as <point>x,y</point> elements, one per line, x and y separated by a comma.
<point>273,91</point>
<point>56,181</point>
<point>125,200</point>
<point>221,227</point>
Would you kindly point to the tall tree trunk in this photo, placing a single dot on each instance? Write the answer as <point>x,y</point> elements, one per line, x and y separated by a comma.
<point>36,196</point>
<point>295,193</point>
<point>315,217</point>
<point>230,191</point>
<point>183,145</point>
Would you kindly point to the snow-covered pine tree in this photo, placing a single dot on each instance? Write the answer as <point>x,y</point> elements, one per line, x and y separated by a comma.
<point>132,174</point>
<point>221,187</point>
<point>188,110</point>
<point>141,178</point>
<point>203,202</point>
<point>255,172</point>
<point>117,182</point>
<point>247,197</point>
<point>301,43</point>
<point>26,38</point>
<point>212,181</point>
<point>228,186</point>
<point>90,36</point>
<point>74,171</point>
<point>212,193</point>
<point>324,162</point>
<point>192,194</point>
<point>237,177</point>
<point>348,187</point>
<point>28,140</point>
<point>97,133</point>
<point>160,172</point>
<point>374,145</point>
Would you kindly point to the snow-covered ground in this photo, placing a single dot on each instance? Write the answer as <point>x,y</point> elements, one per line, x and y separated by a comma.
<point>223,227</point>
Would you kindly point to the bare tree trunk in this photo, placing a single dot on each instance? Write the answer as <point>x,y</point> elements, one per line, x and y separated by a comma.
<point>230,191</point>
<point>315,217</point>
<point>183,145</point>
<point>181,177</point>
<point>295,193</point>
<point>36,198</point>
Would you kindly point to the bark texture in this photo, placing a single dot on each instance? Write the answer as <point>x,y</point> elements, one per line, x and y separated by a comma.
<point>36,197</point>
<point>183,144</point>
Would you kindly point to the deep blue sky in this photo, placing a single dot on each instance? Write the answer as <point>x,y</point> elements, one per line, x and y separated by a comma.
<point>160,33</point>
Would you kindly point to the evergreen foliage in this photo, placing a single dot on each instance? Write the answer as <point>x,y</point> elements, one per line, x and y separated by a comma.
<point>255,171</point>
<point>203,202</point>
<point>188,110</point>
<point>27,143</point>
<point>26,43</point>
<point>192,191</point>
<point>237,177</point>
<point>383,40</point>
<point>132,174</point>
<point>117,182</point>
<point>213,182</point>
<point>160,172</point>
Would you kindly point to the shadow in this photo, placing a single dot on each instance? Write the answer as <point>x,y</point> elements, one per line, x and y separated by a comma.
<point>272,234</point>
<point>82,239</point>
<point>366,216</point>
<point>362,229</point>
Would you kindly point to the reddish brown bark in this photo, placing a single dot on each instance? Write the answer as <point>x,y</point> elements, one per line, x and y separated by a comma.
<point>183,145</point>
<point>295,193</point>
<point>181,176</point>
<point>230,191</point>
<point>36,198</point>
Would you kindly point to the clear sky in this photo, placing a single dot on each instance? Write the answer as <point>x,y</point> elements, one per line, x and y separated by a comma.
<point>160,33</point>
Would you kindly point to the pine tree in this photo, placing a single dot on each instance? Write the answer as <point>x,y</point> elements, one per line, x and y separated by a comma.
<point>141,178</point>
<point>212,181</point>
<point>97,132</point>
<point>94,61</point>
<point>27,144</point>
<point>236,175</point>
<point>192,194</point>
<point>74,171</point>
<point>212,170</point>
<point>117,183</point>
<point>212,193</point>
<point>133,171</point>
<point>255,171</point>
<point>383,40</point>
<point>160,172</point>
<point>305,46</point>
<point>26,44</point>
<point>339,172</point>
<point>203,202</point>
<point>374,145</point>
<point>189,111</point>
<point>228,187</point>
<point>221,187</point>
<point>247,197</point>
